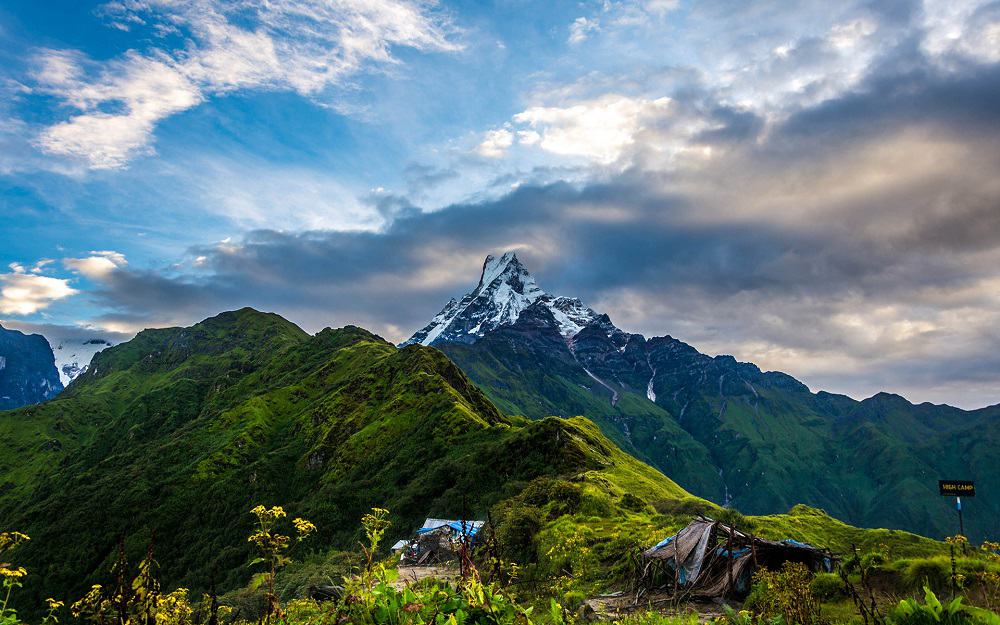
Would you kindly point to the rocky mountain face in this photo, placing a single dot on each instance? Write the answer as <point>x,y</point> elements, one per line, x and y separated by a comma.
<point>27,370</point>
<point>723,429</point>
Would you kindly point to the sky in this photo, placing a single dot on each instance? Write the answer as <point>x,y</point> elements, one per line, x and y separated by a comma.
<point>809,186</point>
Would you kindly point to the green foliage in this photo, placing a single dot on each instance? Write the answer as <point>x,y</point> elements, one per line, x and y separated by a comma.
<point>827,587</point>
<point>786,593</point>
<point>11,575</point>
<point>934,573</point>
<point>732,517</point>
<point>572,600</point>
<point>650,617</point>
<point>933,612</point>
<point>745,617</point>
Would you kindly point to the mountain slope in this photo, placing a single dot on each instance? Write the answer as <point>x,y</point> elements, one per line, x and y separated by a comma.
<point>182,430</point>
<point>727,431</point>
<point>27,369</point>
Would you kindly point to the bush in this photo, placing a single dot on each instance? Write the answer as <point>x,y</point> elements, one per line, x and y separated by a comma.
<point>827,587</point>
<point>573,599</point>
<point>786,593</point>
<point>934,573</point>
<point>559,497</point>
<point>517,526</point>
<point>632,503</point>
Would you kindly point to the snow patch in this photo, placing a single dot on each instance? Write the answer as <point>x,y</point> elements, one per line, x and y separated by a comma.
<point>504,291</point>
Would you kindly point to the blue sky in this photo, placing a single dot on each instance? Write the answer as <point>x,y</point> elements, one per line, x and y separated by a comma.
<point>808,186</point>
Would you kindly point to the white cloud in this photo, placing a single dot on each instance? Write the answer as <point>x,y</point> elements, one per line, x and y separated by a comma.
<point>305,46</point>
<point>24,294</point>
<point>847,35</point>
<point>98,265</point>
<point>598,129</point>
<point>581,28</point>
<point>660,6</point>
<point>495,143</point>
<point>148,90</point>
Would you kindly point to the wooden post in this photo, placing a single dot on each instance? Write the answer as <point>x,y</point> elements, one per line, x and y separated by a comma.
<point>729,560</point>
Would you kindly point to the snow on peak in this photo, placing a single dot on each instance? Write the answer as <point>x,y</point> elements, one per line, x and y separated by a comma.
<point>505,289</point>
<point>494,266</point>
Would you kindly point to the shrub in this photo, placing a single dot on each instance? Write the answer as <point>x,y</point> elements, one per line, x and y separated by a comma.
<point>632,503</point>
<point>827,587</point>
<point>786,593</point>
<point>517,526</point>
<point>559,497</point>
<point>934,573</point>
<point>573,599</point>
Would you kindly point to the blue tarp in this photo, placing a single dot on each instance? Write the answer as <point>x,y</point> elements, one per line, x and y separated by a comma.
<point>722,551</point>
<point>663,543</point>
<point>470,528</point>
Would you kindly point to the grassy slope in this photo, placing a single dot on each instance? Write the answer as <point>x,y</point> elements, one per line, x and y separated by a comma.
<point>537,386</point>
<point>182,430</point>
<point>875,463</point>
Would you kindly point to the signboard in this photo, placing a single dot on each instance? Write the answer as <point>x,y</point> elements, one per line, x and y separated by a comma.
<point>957,488</point>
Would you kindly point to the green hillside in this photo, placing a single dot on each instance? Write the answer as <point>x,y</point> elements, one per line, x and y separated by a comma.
<point>180,431</point>
<point>758,441</point>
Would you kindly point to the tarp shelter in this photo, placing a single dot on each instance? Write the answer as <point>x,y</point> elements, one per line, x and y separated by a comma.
<point>711,559</point>
<point>440,540</point>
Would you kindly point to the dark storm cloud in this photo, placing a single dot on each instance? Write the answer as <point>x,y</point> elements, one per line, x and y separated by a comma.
<point>863,228</point>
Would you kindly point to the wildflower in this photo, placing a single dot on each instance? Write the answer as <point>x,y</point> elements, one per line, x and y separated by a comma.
<point>12,573</point>
<point>53,604</point>
<point>9,540</point>
<point>268,515</point>
<point>303,527</point>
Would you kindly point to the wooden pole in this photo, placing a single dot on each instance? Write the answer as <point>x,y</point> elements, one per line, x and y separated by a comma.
<point>729,561</point>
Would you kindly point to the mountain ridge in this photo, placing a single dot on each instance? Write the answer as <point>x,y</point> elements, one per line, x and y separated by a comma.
<point>769,438</point>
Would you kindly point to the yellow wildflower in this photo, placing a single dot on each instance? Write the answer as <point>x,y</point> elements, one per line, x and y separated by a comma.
<point>13,573</point>
<point>303,527</point>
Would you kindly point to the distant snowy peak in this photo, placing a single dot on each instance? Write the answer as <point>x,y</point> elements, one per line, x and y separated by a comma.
<point>73,355</point>
<point>505,290</point>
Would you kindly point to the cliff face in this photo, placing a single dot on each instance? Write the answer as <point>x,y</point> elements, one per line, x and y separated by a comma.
<point>28,372</point>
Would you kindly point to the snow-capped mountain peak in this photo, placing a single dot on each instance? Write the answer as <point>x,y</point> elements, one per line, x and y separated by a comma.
<point>505,289</point>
